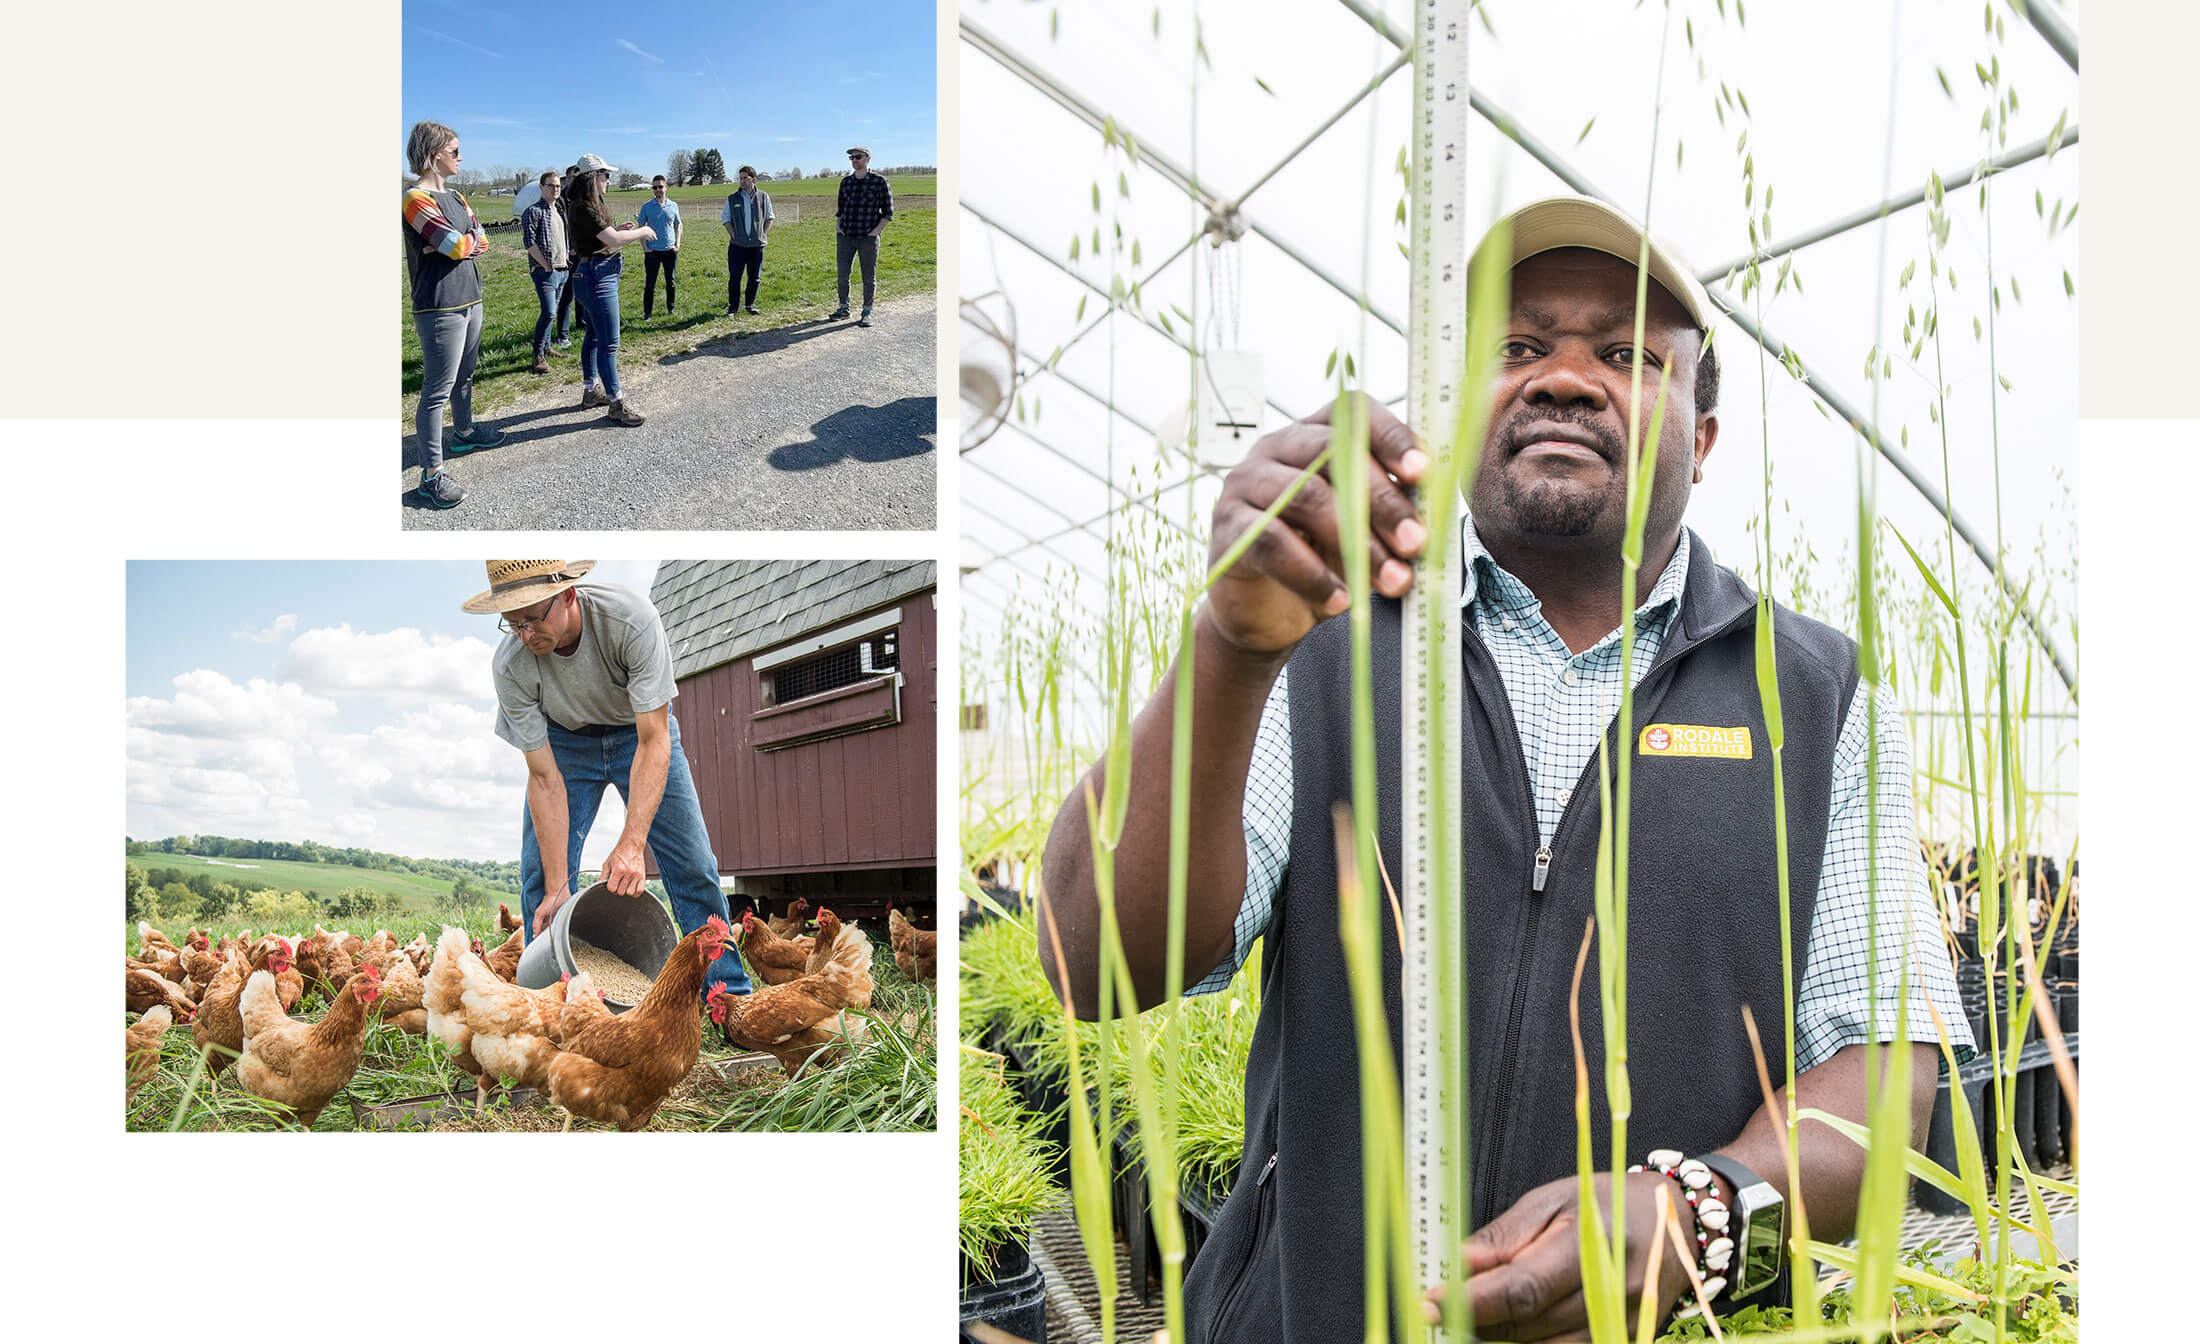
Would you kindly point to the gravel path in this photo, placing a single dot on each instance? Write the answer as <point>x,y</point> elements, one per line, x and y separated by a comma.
<point>810,425</point>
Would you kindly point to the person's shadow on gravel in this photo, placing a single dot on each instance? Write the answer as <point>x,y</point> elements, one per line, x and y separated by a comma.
<point>863,433</point>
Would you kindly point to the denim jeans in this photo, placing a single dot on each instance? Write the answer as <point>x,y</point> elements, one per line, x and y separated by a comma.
<point>847,249</point>
<point>739,259</point>
<point>677,839</point>
<point>549,287</point>
<point>663,259</point>
<point>448,344</point>
<point>597,281</point>
<point>565,305</point>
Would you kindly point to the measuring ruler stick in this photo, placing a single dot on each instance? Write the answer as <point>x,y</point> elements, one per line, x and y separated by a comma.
<point>1433,1081</point>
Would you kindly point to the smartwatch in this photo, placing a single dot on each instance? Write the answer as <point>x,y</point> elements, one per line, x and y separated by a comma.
<point>1758,1226</point>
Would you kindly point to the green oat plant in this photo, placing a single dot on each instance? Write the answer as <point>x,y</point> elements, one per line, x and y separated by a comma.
<point>799,285</point>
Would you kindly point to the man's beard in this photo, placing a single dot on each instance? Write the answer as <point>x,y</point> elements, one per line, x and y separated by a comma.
<point>1547,508</point>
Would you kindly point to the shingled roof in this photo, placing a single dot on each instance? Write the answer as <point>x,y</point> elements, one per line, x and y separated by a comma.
<point>716,611</point>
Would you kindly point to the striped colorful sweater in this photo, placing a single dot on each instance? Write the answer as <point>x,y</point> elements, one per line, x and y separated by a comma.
<point>439,253</point>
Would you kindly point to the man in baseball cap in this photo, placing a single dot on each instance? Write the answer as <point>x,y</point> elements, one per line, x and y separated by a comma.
<point>584,689</point>
<point>860,214</point>
<point>1537,693</point>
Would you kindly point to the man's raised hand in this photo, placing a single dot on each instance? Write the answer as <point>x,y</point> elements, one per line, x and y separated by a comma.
<point>1292,575</point>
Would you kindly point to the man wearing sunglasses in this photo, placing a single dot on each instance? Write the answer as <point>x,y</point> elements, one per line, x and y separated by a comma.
<point>584,688</point>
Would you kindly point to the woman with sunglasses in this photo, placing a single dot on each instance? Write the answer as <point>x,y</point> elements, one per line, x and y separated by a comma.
<point>442,241</point>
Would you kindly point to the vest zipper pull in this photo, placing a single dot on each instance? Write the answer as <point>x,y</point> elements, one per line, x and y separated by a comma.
<point>1542,867</point>
<point>1265,1172</point>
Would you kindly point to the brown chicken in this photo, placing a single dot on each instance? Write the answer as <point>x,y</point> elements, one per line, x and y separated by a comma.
<point>619,1070</point>
<point>916,951</point>
<point>290,982</point>
<point>771,958</point>
<point>503,960</point>
<point>584,1007</point>
<point>327,961</point>
<point>791,924</point>
<point>442,989</point>
<point>846,946</point>
<point>403,994</point>
<point>506,920</point>
<point>421,953</point>
<point>515,1031</point>
<point>142,990</point>
<point>792,1022</point>
<point>200,966</point>
<point>300,1066</point>
<point>153,944</point>
<point>219,1027</point>
<point>141,1047</point>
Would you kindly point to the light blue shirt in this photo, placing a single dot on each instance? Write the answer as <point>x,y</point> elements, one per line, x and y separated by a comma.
<point>1562,702</point>
<point>665,219</point>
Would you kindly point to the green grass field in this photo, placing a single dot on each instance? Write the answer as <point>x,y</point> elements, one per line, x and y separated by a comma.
<point>799,284</point>
<point>421,895</point>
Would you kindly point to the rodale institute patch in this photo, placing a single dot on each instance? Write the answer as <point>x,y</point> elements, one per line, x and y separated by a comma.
<point>1694,739</point>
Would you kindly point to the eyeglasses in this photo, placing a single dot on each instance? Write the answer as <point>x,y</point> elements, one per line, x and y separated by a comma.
<point>530,625</point>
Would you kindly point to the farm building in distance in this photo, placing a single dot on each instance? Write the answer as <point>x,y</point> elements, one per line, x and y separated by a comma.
<point>808,712</point>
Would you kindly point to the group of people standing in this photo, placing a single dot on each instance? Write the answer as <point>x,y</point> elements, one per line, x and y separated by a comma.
<point>573,256</point>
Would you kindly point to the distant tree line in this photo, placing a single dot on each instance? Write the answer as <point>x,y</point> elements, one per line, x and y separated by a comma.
<point>683,167</point>
<point>495,875</point>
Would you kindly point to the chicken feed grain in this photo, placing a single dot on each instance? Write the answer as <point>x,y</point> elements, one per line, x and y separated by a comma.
<point>620,982</point>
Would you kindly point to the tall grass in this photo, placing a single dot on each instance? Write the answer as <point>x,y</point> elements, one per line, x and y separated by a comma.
<point>1913,635</point>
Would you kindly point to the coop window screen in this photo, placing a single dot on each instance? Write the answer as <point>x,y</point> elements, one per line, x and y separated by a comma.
<point>832,669</point>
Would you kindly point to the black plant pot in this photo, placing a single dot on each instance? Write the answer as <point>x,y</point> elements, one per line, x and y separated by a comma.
<point>2066,1008</point>
<point>2025,1105</point>
<point>1012,1296</point>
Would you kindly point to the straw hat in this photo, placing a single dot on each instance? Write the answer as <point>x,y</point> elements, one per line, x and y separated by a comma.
<point>522,583</point>
<point>1581,221</point>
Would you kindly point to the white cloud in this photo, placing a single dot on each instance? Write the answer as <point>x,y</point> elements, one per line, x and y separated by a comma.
<point>638,51</point>
<point>283,625</point>
<point>445,758</point>
<point>401,664</point>
<point>208,704</point>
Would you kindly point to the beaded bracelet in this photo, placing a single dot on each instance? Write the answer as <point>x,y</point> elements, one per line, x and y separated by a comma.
<point>1714,1248</point>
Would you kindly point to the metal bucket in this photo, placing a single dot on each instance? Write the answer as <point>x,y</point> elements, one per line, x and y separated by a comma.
<point>635,929</point>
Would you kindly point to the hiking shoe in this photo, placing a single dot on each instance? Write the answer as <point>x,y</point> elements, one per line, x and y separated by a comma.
<point>837,314</point>
<point>865,320</point>
<point>460,443</point>
<point>439,491</point>
<point>619,414</point>
<point>542,364</point>
<point>752,309</point>
<point>562,344</point>
<point>592,395</point>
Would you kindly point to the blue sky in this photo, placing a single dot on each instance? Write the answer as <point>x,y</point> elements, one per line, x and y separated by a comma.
<point>777,84</point>
<point>342,701</point>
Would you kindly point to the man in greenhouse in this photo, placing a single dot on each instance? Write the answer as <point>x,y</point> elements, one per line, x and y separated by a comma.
<point>1270,754</point>
<point>584,689</point>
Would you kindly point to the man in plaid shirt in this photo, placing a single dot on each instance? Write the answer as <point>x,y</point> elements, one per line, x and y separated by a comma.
<point>1541,685</point>
<point>866,203</point>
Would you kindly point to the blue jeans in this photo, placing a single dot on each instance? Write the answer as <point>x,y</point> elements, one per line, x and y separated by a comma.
<point>549,285</point>
<point>596,287</point>
<point>677,839</point>
<point>448,344</point>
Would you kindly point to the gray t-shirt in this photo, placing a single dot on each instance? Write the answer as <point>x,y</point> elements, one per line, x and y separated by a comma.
<point>621,668</point>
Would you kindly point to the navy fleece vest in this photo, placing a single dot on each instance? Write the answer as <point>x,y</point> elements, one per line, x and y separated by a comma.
<point>1284,1261</point>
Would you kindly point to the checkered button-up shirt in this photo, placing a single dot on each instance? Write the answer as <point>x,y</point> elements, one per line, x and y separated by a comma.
<point>864,201</point>
<point>1562,703</point>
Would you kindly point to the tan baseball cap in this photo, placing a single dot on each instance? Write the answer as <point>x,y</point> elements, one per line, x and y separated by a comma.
<point>593,163</point>
<point>858,149</point>
<point>1583,221</point>
<point>522,583</point>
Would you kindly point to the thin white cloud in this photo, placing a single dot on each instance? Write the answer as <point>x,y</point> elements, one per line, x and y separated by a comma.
<point>495,121</point>
<point>616,130</point>
<point>283,625</point>
<point>788,139</point>
<point>638,51</point>
<point>695,135</point>
<point>462,42</point>
<point>401,664</point>
<point>208,704</point>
